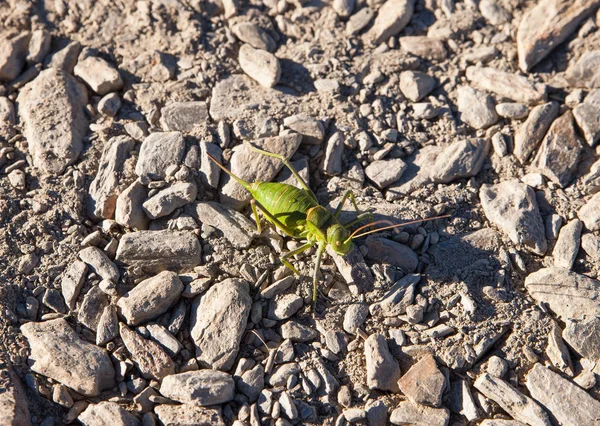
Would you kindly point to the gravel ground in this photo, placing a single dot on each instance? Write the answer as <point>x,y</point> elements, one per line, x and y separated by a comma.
<point>135,288</point>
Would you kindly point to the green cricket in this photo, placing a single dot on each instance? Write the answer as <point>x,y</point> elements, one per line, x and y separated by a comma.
<point>297,212</point>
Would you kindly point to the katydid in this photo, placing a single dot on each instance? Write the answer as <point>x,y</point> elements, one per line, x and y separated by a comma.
<point>296,212</point>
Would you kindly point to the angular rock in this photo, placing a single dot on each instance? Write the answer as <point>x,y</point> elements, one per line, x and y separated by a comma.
<point>533,130</point>
<point>92,307</point>
<point>14,408</point>
<point>567,246</point>
<point>65,59</point>
<point>354,270</point>
<point>107,413</point>
<point>476,108</point>
<point>590,213</point>
<point>584,337</point>
<point>399,297</point>
<point>584,73</point>
<point>298,332</point>
<point>209,171</point>
<point>157,251</point>
<point>383,371</point>
<point>283,307</point>
<point>343,8</point>
<point>99,262</point>
<point>72,281</point>
<point>507,85</point>
<point>111,178</point>
<point>424,47</point>
<point>39,46</point>
<point>385,172</point>
<point>424,383</point>
<point>169,199</point>
<point>417,174</point>
<point>108,326</point>
<point>310,128</point>
<point>416,85</point>
<point>359,21</point>
<point>587,117</point>
<point>158,152</point>
<point>57,352</point>
<point>519,406</point>
<point>152,361</point>
<point>251,166</point>
<point>150,298</point>
<point>557,350</point>
<point>218,322</point>
<point>8,119</point>
<point>409,413</point>
<point>255,36</point>
<point>260,65</point>
<point>512,206</point>
<point>512,110</point>
<point>128,208</point>
<point>12,57</point>
<point>183,116</point>
<point>99,75</point>
<point>355,316</point>
<point>110,105</point>
<point>590,243</point>
<point>201,387</point>
<point>332,165</point>
<point>559,153</point>
<point>188,415</point>
<point>568,403</point>
<point>52,109</point>
<point>387,251</point>
<point>546,25</point>
<point>392,17</point>
<point>252,382</point>
<point>493,12</point>
<point>459,160</point>
<point>161,335</point>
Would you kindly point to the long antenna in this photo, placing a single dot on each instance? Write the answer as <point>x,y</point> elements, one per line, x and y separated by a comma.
<point>237,179</point>
<point>355,234</point>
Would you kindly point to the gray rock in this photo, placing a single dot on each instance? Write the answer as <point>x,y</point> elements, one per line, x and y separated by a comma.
<point>557,351</point>
<point>39,46</point>
<point>584,73</point>
<point>310,128</point>
<point>392,17</point>
<point>8,119</point>
<point>169,199</point>
<point>111,178</point>
<point>559,153</point>
<point>507,85</point>
<point>532,131</point>
<point>92,307</point>
<point>57,352</point>
<point>476,108</point>
<point>110,105</point>
<point>281,375</point>
<point>459,160</point>
<point>150,298</point>
<point>569,404</point>
<point>377,414</point>
<point>283,307</point>
<point>355,316</point>
<point>52,110</point>
<point>107,413</point>
<point>461,400</point>
<point>383,371</point>
<point>128,208</point>
<point>251,166</point>
<point>512,206</point>
<point>236,227</point>
<point>99,75</point>
<point>417,174</point>
<point>359,21</point>
<point>12,58</point>
<point>260,65</point>
<point>589,213</point>
<point>108,326</point>
<point>568,294</point>
<point>387,251</point>
<point>512,110</point>
<point>567,246</point>
<point>493,12</point>
<point>201,387</point>
<point>428,48</point>
<point>409,413</point>
<point>53,300</point>
<point>288,406</point>
<point>399,297</point>
<point>252,382</point>
<point>587,117</point>
<point>355,415</point>
<point>546,25</point>
<point>385,172</point>
<point>218,322</point>
<point>188,415</point>
<point>99,262</point>
<point>332,165</point>
<point>424,111</point>
<point>584,337</point>
<point>158,152</point>
<point>255,36</point>
<point>72,281</point>
<point>157,251</point>
<point>590,243</point>
<point>152,361</point>
<point>500,144</point>
<point>297,332</point>
<point>354,270</point>
<point>416,85</point>
<point>162,336</point>
<point>209,171</point>
<point>424,383</point>
<point>183,116</point>
<point>344,8</point>
<point>65,59</point>
<point>13,401</point>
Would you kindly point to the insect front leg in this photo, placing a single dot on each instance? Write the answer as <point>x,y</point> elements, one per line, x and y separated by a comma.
<point>320,251</point>
<point>284,258</point>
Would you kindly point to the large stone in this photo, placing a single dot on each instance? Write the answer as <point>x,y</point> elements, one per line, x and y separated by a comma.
<point>409,413</point>
<point>72,281</point>
<point>507,85</point>
<point>158,152</point>
<point>559,153</point>
<point>585,73</point>
<point>590,213</point>
<point>57,352</point>
<point>387,251</point>
<point>424,383</point>
<point>128,207</point>
<point>39,46</point>
<point>567,245</point>
<point>150,298</point>
<point>532,131</point>
<point>568,403</point>
<point>548,24</point>
<point>218,322</point>
<point>201,387</point>
<point>183,116</point>
<point>392,17</point>
<point>92,307</point>
<point>99,262</point>
<point>399,297</point>
<point>383,371</point>
<point>459,160</point>
<point>14,410</point>
<point>385,172</point>
<point>52,109</point>
<point>188,415</point>
<point>512,206</point>
<point>12,56</point>
<point>111,178</point>
<point>169,199</point>
<point>157,251</point>
<point>476,108</point>
<point>149,357</point>
<point>101,76</point>
<point>260,65</point>
<point>568,294</point>
<point>107,414</point>
<point>252,166</point>
<point>584,337</point>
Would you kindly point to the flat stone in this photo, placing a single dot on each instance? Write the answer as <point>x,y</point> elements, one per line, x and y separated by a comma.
<point>493,12</point>
<point>281,375</point>
<point>107,413</point>
<point>52,109</point>
<point>260,65</point>
<point>399,297</point>
<point>417,174</point>
<point>461,400</point>
<point>507,85</point>
<point>587,117</point>
<point>359,21</point>
<point>169,199</point>
<point>298,332</point>
<point>343,8</point>
<point>532,131</point>
<point>310,128</point>
<point>568,294</point>
<point>568,403</point>
<point>14,408</point>
<point>354,270</point>
<point>218,321</point>
<point>589,213</point>
<point>72,281</point>
<point>559,152</point>
<point>512,206</point>
<point>209,171</point>
<point>92,307</point>
<point>387,251</point>
<point>158,152</point>
<point>355,316</point>
<point>512,110</point>
<point>99,75</point>
<point>424,383</point>
<point>8,118</point>
<point>334,149</point>
<point>150,298</point>
<point>383,371</point>
<point>584,73</point>
<point>252,382</point>
<point>590,244</point>
<point>284,306</point>
<point>201,387</point>
<point>424,47</point>
<point>65,59</point>
<point>567,246</point>
<point>460,159</point>
<point>188,415</point>
<point>416,85</point>
<point>584,337</point>
<point>385,172</point>
<point>12,58</point>
<point>128,207</point>
<point>183,116</point>
<point>255,36</point>
<point>39,46</point>
<point>392,17</point>
<point>111,178</point>
<point>546,25</point>
<point>557,351</point>
<point>409,413</point>
<point>162,336</point>
<point>108,326</point>
<point>57,352</point>
<point>252,166</point>
<point>99,262</point>
<point>157,251</point>
<point>152,361</point>
<point>476,108</point>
